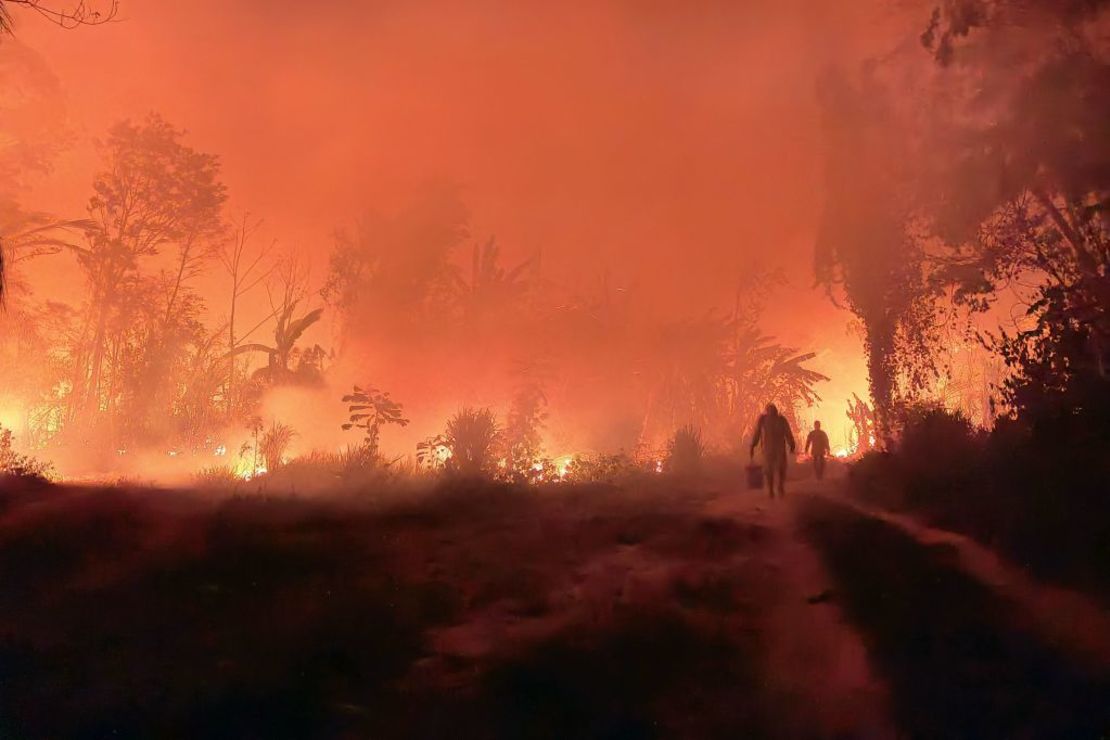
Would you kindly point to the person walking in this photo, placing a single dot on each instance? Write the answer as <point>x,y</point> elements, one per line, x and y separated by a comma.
<point>817,445</point>
<point>773,431</point>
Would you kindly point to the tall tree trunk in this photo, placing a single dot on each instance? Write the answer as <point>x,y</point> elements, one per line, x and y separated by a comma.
<point>90,400</point>
<point>881,374</point>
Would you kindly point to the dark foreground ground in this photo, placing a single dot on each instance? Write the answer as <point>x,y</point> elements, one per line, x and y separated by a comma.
<point>673,610</point>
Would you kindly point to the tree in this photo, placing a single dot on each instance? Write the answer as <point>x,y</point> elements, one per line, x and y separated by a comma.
<point>287,329</point>
<point>371,409</point>
<point>490,291</point>
<point>716,373</point>
<point>1022,184</point>
<point>867,246</point>
<point>247,272</point>
<point>863,425</point>
<point>392,274</point>
<point>80,14</point>
<point>33,129</point>
<point>154,192</point>
<point>523,434</point>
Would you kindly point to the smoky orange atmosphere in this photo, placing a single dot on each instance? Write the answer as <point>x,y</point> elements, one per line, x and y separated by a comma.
<point>670,152</point>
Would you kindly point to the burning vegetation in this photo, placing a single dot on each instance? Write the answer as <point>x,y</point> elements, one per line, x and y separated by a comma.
<point>400,379</point>
<point>144,361</point>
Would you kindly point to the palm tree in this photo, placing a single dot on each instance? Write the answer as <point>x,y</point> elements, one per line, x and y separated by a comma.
<point>30,234</point>
<point>286,333</point>
<point>79,15</point>
<point>490,289</point>
<point>717,373</point>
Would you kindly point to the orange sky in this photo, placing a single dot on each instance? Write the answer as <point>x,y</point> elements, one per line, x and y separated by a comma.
<point>674,143</point>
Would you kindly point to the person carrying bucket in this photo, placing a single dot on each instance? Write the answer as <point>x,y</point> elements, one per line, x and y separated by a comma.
<point>773,431</point>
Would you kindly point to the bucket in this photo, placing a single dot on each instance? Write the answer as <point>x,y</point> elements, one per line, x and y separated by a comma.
<point>755,476</point>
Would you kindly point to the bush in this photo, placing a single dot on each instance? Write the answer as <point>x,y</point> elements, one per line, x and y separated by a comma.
<point>217,476</point>
<point>1038,498</point>
<point>22,466</point>
<point>467,447</point>
<point>605,469</point>
<point>685,451</point>
<point>274,443</point>
<point>939,440</point>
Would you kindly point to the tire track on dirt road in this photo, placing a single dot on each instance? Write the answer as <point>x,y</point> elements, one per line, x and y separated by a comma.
<point>958,661</point>
<point>812,654</point>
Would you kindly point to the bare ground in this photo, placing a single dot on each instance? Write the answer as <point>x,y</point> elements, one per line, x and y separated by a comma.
<point>673,610</point>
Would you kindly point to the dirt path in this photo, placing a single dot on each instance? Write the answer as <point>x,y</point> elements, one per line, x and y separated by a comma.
<point>964,654</point>
<point>812,652</point>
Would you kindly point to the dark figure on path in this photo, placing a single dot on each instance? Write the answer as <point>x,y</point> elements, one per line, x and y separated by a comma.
<point>774,432</point>
<point>817,444</point>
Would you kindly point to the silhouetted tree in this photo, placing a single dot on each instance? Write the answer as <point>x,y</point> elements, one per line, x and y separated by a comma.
<point>392,275</point>
<point>371,409</point>
<point>867,246</point>
<point>490,291</point>
<point>154,192</point>
<point>288,328</point>
<point>247,271</point>
<point>1021,182</point>
<point>522,438</point>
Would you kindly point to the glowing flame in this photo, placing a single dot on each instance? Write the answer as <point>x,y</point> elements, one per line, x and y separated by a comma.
<point>562,465</point>
<point>245,470</point>
<point>841,453</point>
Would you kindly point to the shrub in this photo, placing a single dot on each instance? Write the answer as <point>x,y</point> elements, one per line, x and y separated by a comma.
<point>371,409</point>
<point>22,466</point>
<point>217,476</point>
<point>685,451</point>
<point>938,436</point>
<point>522,437</point>
<point>614,468</point>
<point>273,444</point>
<point>470,441</point>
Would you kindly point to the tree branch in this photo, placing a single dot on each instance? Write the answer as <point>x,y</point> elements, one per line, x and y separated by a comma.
<point>78,14</point>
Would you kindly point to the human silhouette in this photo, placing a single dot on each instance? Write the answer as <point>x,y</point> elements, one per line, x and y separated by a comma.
<point>817,444</point>
<point>773,431</point>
